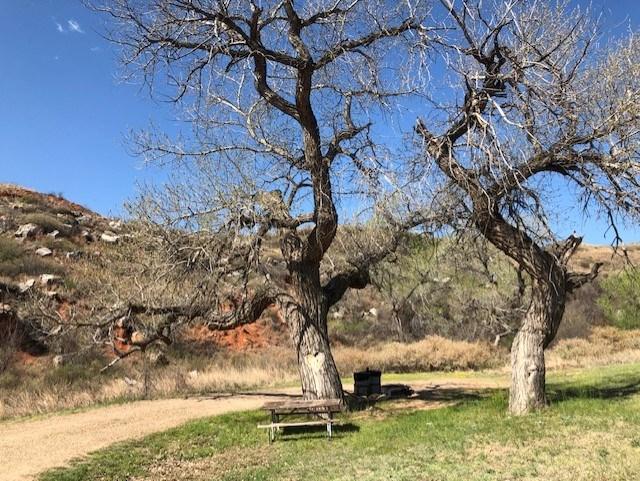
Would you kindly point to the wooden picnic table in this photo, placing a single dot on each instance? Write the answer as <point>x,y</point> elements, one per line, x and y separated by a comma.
<point>321,410</point>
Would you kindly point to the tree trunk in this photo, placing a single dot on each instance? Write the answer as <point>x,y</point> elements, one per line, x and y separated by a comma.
<point>538,329</point>
<point>305,312</point>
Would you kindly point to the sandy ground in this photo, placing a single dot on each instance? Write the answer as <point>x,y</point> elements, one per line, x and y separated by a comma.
<point>31,446</point>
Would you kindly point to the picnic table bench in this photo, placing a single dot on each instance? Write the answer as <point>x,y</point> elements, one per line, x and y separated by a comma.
<point>321,410</point>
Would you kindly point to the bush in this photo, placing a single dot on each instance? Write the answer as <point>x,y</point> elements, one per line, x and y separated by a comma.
<point>48,222</point>
<point>620,299</point>
<point>434,353</point>
<point>14,260</point>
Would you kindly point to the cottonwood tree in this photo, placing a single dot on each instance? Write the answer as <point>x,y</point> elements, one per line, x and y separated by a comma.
<point>281,97</point>
<point>536,108</point>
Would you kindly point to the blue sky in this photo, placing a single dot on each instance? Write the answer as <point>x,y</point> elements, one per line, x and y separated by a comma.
<point>66,113</point>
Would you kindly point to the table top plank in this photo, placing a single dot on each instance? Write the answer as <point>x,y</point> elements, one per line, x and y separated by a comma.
<point>303,405</point>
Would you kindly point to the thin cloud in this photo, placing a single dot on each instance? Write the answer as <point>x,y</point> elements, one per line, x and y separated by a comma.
<point>59,27</point>
<point>74,26</point>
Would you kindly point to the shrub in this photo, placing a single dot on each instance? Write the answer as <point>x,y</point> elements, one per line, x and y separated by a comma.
<point>620,299</point>
<point>48,222</point>
<point>14,261</point>
<point>434,353</point>
<point>9,250</point>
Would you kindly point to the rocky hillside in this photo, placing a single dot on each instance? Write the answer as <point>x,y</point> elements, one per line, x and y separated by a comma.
<point>60,258</point>
<point>56,254</point>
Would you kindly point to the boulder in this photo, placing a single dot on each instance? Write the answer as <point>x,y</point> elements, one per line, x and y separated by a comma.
<point>26,285</point>
<point>44,252</point>
<point>137,337</point>
<point>87,236</point>
<point>115,224</point>
<point>109,237</point>
<point>58,360</point>
<point>54,234</point>
<point>49,279</point>
<point>29,231</point>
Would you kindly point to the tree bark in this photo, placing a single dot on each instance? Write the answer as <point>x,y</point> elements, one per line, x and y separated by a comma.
<point>538,329</point>
<point>551,284</point>
<point>305,311</point>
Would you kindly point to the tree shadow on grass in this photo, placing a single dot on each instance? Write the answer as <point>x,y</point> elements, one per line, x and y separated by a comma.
<point>295,433</point>
<point>609,389</point>
<point>449,394</point>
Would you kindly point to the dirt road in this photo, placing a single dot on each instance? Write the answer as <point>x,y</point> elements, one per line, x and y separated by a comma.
<point>29,447</point>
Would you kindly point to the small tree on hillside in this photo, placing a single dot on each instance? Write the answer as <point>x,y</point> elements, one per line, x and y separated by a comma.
<point>281,97</point>
<point>534,108</point>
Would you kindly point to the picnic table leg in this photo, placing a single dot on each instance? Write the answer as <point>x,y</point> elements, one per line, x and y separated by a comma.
<point>272,429</point>
<point>329,425</point>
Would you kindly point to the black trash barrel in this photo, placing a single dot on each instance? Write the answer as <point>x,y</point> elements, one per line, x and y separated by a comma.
<point>374,382</point>
<point>367,382</point>
<point>361,383</point>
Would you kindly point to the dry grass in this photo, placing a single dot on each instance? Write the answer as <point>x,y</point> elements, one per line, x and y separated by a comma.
<point>604,345</point>
<point>39,388</point>
<point>434,353</point>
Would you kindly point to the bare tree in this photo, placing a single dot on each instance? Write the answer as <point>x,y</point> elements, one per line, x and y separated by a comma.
<point>281,98</point>
<point>455,286</point>
<point>534,109</point>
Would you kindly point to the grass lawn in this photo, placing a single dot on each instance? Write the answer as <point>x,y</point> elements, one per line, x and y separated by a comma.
<point>590,432</point>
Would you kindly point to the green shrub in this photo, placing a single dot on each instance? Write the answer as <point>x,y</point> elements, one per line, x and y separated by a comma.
<point>9,250</point>
<point>14,261</point>
<point>48,222</point>
<point>620,300</point>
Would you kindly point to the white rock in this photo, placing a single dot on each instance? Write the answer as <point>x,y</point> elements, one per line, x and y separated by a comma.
<point>48,279</point>
<point>115,224</point>
<point>5,309</point>
<point>373,312</point>
<point>28,230</point>
<point>109,237</point>
<point>54,234</point>
<point>58,360</point>
<point>44,252</point>
<point>87,236</point>
<point>72,255</point>
<point>26,285</point>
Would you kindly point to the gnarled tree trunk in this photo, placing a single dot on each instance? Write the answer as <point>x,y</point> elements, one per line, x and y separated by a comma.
<point>551,283</point>
<point>538,329</point>
<point>305,311</point>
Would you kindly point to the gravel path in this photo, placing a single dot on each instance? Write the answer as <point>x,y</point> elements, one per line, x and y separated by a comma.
<point>28,447</point>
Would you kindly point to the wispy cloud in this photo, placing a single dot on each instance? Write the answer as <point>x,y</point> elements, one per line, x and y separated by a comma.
<point>59,27</point>
<point>74,26</point>
<point>95,49</point>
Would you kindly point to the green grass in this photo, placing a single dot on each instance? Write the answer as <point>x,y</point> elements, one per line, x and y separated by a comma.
<point>591,432</point>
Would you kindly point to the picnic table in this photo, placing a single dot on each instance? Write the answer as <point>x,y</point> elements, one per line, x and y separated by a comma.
<point>320,410</point>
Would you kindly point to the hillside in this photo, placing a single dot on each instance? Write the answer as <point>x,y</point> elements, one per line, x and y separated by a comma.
<point>61,261</point>
<point>59,253</point>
